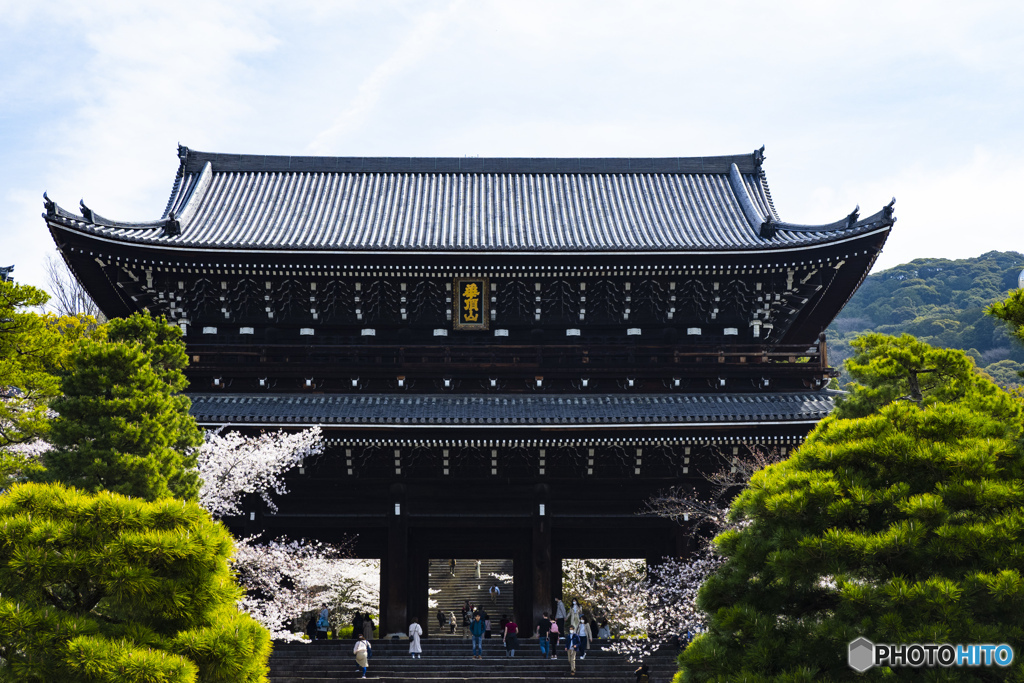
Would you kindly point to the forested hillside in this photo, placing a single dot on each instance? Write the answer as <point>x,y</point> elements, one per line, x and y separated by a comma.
<point>940,302</point>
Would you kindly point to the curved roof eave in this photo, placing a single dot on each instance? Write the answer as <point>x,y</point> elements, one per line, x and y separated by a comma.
<point>186,248</point>
<point>695,205</point>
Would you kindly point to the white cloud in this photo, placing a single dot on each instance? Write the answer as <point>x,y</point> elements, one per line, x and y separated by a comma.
<point>856,102</point>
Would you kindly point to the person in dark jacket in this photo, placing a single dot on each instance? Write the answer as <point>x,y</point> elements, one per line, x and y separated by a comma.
<point>357,625</point>
<point>311,628</point>
<point>476,630</point>
<point>572,646</point>
<point>541,629</point>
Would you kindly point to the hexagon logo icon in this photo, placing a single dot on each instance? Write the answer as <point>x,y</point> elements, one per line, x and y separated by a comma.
<point>862,655</point>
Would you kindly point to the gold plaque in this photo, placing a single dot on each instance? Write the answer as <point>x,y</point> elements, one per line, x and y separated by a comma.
<point>472,303</point>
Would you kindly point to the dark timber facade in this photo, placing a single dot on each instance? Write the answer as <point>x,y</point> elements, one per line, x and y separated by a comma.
<point>507,356</point>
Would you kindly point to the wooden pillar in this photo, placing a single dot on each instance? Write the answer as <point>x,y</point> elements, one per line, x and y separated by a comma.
<point>522,586</point>
<point>556,579</point>
<point>395,568</point>
<point>419,588</point>
<point>541,560</point>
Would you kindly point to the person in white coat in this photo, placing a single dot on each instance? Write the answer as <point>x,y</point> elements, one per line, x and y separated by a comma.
<point>415,631</point>
<point>575,615</point>
<point>362,653</point>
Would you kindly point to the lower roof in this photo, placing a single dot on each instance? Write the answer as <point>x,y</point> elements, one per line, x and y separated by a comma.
<point>610,410</point>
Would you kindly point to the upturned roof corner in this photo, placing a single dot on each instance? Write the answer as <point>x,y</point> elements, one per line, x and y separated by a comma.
<point>453,204</point>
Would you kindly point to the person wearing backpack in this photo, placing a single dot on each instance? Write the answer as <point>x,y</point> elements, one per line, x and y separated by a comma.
<point>362,652</point>
<point>553,639</point>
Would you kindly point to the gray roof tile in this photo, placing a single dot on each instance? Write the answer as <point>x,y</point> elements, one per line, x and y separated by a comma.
<point>428,410</point>
<point>468,204</point>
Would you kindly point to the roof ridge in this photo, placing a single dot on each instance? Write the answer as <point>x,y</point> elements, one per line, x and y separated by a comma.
<point>192,161</point>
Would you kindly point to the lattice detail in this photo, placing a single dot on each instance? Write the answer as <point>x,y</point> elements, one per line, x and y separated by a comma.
<point>604,302</point>
<point>203,298</point>
<point>335,301</point>
<point>560,302</point>
<point>380,302</point>
<point>737,299</point>
<point>249,299</point>
<point>650,302</point>
<point>426,303</point>
<point>292,299</point>
<point>515,302</point>
<point>694,301</point>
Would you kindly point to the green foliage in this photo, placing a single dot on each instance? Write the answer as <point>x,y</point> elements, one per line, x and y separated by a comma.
<point>25,386</point>
<point>33,348</point>
<point>104,588</point>
<point>1011,312</point>
<point>941,302</point>
<point>905,525</point>
<point>123,424</point>
<point>885,369</point>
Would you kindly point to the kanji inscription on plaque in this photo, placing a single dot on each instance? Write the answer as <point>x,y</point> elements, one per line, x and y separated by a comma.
<point>471,302</point>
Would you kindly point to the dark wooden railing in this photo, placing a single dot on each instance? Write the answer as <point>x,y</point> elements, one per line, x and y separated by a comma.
<point>510,361</point>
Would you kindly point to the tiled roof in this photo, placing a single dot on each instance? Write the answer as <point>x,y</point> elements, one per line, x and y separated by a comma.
<point>470,204</point>
<point>499,410</point>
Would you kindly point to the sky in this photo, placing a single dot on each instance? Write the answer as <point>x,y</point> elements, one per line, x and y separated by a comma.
<point>855,102</point>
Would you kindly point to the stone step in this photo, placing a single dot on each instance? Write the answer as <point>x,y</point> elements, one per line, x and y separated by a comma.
<point>390,678</point>
<point>447,660</point>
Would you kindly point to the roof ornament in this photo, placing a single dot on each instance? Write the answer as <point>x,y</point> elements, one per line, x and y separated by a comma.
<point>851,220</point>
<point>182,159</point>
<point>758,158</point>
<point>172,228</point>
<point>887,209</point>
<point>768,228</point>
<point>51,206</point>
<point>86,211</point>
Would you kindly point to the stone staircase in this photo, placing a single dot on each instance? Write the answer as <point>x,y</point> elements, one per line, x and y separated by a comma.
<point>455,590</point>
<point>447,659</point>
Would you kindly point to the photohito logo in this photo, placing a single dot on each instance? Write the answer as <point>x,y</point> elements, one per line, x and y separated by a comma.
<point>863,654</point>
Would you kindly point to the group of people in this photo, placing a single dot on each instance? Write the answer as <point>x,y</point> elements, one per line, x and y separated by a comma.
<point>578,628</point>
<point>362,624</point>
<point>576,624</point>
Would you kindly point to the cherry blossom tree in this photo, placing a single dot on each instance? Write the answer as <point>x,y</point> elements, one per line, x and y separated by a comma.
<point>705,510</point>
<point>661,608</point>
<point>232,465</point>
<point>595,582</point>
<point>283,578</point>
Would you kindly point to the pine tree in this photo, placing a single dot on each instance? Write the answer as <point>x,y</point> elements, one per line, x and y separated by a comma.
<point>123,423</point>
<point>105,588</point>
<point>887,369</point>
<point>1011,312</point>
<point>905,525</point>
<point>34,348</point>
